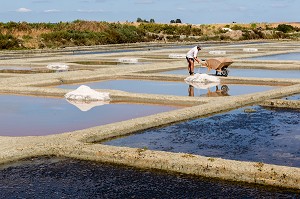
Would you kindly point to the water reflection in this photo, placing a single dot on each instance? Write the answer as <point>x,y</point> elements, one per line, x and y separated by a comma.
<point>166,87</point>
<point>223,91</point>
<point>244,72</point>
<point>37,116</point>
<point>191,91</point>
<point>218,91</point>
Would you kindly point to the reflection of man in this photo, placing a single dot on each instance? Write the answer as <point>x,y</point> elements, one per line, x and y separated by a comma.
<point>191,90</point>
<point>191,56</point>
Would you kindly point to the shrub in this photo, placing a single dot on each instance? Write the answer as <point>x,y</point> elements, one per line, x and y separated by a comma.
<point>8,42</point>
<point>285,28</point>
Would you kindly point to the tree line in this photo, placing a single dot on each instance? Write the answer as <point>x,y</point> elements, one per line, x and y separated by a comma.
<point>23,35</point>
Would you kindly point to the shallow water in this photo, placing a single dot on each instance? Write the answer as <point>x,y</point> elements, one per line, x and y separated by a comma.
<point>68,178</point>
<point>235,72</point>
<point>24,115</point>
<point>293,97</point>
<point>266,135</point>
<point>173,88</point>
<point>285,56</point>
<point>14,68</point>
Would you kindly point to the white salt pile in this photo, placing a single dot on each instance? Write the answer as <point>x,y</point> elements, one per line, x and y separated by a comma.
<point>86,98</point>
<point>217,52</point>
<point>177,56</point>
<point>128,60</point>
<point>202,78</point>
<point>203,85</point>
<point>57,66</point>
<point>250,49</point>
<point>202,81</point>
<point>85,93</point>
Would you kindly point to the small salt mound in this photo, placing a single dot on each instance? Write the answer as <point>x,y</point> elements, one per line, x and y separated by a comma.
<point>85,93</point>
<point>57,66</point>
<point>203,85</point>
<point>128,60</point>
<point>201,78</point>
<point>87,105</point>
<point>177,56</point>
<point>217,52</point>
<point>250,49</point>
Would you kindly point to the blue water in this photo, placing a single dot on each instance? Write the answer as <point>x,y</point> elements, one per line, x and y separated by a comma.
<point>267,135</point>
<point>293,97</point>
<point>23,115</point>
<point>169,88</point>
<point>235,72</point>
<point>286,56</point>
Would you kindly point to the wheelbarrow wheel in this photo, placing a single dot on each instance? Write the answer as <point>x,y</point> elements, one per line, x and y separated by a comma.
<point>225,88</point>
<point>225,72</point>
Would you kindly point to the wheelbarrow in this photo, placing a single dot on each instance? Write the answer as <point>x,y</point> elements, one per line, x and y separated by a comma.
<point>218,64</point>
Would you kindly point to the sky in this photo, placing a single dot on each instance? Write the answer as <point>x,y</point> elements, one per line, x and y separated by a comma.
<point>162,11</point>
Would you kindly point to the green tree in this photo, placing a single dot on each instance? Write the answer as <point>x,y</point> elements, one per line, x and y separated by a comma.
<point>285,28</point>
<point>178,21</point>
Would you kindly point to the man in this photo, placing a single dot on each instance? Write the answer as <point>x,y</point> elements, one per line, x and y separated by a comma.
<point>191,56</point>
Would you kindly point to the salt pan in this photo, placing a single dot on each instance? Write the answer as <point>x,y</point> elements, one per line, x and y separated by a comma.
<point>57,66</point>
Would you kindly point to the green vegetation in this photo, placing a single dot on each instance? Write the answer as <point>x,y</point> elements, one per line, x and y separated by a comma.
<point>175,21</point>
<point>23,35</point>
<point>113,34</point>
<point>9,42</point>
<point>285,28</point>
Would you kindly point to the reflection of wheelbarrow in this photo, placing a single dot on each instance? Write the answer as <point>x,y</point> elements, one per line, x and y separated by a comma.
<point>218,64</point>
<point>219,92</point>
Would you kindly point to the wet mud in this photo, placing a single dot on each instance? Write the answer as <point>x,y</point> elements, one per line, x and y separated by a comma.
<point>46,177</point>
<point>248,134</point>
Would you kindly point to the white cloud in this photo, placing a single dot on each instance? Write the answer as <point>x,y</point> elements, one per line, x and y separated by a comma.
<point>40,1</point>
<point>52,10</point>
<point>279,5</point>
<point>181,9</point>
<point>92,1</point>
<point>89,11</point>
<point>242,8</point>
<point>23,10</point>
<point>144,1</point>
